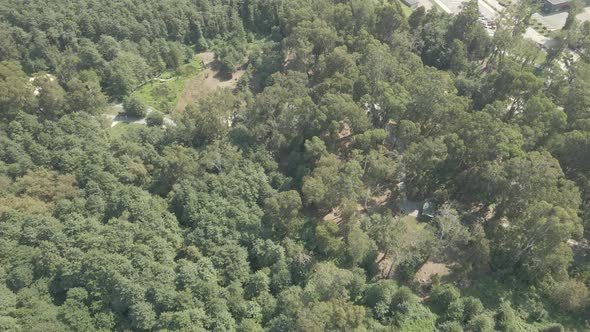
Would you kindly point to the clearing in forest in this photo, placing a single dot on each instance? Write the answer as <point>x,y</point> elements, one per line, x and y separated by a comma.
<point>430,269</point>
<point>207,81</point>
<point>162,93</point>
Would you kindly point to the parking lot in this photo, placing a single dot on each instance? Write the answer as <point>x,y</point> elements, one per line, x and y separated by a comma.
<point>487,12</point>
<point>455,6</point>
<point>427,4</point>
<point>486,8</point>
<point>557,20</point>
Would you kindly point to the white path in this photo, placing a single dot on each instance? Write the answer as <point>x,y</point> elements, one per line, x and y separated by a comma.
<point>122,118</point>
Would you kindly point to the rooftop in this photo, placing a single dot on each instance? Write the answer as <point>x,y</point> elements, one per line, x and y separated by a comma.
<point>558,2</point>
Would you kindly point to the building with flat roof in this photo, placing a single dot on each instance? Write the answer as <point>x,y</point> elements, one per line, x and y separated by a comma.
<point>414,4</point>
<point>554,6</point>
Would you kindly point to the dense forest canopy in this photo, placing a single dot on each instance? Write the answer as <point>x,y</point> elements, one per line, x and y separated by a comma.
<point>372,170</point>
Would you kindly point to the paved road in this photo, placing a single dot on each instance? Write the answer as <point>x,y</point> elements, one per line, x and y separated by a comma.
<point>494,4</point>
<point>443,5</point>
<point>486,10</point>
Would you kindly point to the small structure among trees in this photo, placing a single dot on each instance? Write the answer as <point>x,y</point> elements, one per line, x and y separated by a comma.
<point>428,209</point>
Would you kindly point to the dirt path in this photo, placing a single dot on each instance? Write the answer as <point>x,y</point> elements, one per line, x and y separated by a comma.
<point>206,82</point>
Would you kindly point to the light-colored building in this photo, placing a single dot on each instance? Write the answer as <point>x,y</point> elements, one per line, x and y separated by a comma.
<point>554,6</point>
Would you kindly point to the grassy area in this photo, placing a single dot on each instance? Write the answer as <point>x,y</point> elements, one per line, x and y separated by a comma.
<point>406,9</point>
<point>415,227</point>
<point>541,57</point>
<point>121,128</point>
<point>113,110</point>
<point>412,222</point>
<point>163,95</point>
<point>489,290</point>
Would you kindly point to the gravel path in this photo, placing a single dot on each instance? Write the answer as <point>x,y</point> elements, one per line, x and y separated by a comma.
<point>122,118</point>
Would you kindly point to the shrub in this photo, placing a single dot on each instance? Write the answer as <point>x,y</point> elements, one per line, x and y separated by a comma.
<point>481,323</point>
<point>134,107</point>
<point>443,296</point>
<point>472,307</point>
<point>155,118</point>
<point>571,295</point>
<point>506,318</point>
<point>162,90</point>
<point>553,328</point>
<point>450,326</point>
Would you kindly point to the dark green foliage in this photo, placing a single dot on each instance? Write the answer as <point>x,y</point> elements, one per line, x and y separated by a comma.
<point>554,328</point>
<point>283,205</point>
<point>443,296</point>
<point>134,107</point>
<point>155,118</point>
<point>506,318</point>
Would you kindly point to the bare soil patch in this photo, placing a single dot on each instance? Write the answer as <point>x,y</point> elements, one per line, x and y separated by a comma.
<point>429,270</point>
<point>207,81</point>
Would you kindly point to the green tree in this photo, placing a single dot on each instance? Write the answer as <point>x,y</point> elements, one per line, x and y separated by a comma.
<point>452,234</point>
<point>75,312</point>
<point>211,119</point>
<point>126,72</point>
<point>332,182</point>
<point>155,119</point>
<point>482,323</point>
<point>571,295</point>
<point>85,96</point>
<point>17,93</point>
<point>506,317</point>
<point>282,217</point>
<point>457,56</point>
<point>51,96</point>
<point>312,38</point>
<point>389,20</point>
<point>542,209</point>
<point>134,107</point>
